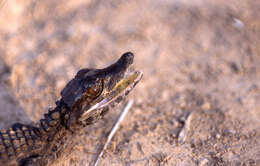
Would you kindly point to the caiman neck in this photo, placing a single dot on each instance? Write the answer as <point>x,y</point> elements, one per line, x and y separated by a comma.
<point>53,121</point>
<point>61,117</point>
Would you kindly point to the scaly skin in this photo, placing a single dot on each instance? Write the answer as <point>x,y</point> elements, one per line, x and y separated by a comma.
<point>84,100</point>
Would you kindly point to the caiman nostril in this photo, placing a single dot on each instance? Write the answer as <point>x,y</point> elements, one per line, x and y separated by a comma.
<point>127,58</point>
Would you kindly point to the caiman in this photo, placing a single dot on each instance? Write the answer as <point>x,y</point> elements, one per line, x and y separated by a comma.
<point>84,100</point>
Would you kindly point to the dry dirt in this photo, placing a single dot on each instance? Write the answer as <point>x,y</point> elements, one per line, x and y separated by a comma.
<point>198,102</point>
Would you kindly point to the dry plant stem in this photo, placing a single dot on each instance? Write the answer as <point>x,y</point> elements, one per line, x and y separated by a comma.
<point>114,129</point>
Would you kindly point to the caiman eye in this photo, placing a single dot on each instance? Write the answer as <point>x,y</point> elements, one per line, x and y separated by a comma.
<point>94,89</point>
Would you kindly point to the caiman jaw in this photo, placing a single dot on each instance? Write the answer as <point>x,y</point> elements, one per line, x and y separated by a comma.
<point>123,87</point>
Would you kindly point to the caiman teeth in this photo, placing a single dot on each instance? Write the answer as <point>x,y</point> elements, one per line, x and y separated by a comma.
<point>124,86</point>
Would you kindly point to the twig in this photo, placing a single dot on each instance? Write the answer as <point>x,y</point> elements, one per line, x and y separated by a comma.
<point>114,129</point>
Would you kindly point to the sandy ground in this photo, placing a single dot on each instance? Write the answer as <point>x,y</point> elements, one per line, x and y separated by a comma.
<point>199,100</point>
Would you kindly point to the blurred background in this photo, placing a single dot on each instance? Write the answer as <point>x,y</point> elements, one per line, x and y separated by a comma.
<point>198,102</point>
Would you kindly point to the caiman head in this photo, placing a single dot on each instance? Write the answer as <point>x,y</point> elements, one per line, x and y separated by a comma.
<point>92,91</point>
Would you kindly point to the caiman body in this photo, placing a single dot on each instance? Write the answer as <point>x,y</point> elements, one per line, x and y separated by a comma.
<point>83,101</point>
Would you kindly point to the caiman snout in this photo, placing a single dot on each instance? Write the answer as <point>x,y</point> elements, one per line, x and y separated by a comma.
<point>120,66</point>
<point>127,58</point>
